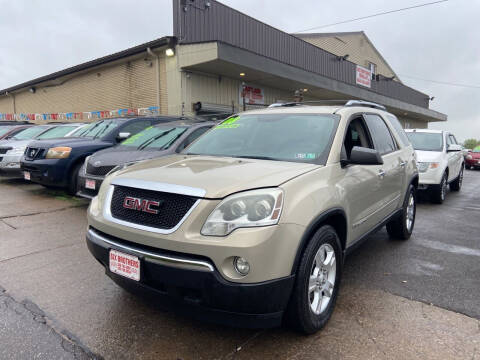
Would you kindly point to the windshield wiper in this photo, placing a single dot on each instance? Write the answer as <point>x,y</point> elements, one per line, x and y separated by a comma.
<point>255,157</point>
<point>102,131</point>
<point>89,130</point>
<point>167,145</point>
<point>156,137</point>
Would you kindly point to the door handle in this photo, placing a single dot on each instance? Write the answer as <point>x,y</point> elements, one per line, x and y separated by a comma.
<point>381,173</point>
<point>402,164</point>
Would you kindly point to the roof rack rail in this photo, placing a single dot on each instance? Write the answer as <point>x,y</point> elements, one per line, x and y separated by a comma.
<point>330,102</point>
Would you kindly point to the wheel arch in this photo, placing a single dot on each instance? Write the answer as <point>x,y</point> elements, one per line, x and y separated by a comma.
<point>336,218</point>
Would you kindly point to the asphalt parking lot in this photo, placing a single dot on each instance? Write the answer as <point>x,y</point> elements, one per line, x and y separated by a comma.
<point>399,300</point>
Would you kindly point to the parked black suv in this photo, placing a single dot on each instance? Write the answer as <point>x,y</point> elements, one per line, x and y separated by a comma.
<point>56,162</point>
<point>155,141</point>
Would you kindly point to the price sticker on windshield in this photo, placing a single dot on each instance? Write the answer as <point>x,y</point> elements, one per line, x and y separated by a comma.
<point>230,123</point>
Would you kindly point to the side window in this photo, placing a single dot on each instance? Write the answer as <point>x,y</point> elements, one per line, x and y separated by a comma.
<point>193,136</point>
<point>399,129</point>
<point>382,138</point>
<point>449,140</point>
<point>136,126</point>
<point>356,135</point>
<point>452,139</point>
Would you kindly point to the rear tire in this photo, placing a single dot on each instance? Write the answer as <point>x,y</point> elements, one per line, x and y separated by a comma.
<point>73,180</point>
<point>401,227</point>
<point>439,191</point>
<point>456,185</point>
<point>317,282</point>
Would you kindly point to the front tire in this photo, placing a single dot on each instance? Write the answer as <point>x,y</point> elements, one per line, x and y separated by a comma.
<point>318,279</point>
<point>73,180</point>
<point>456,185</point>
<point>401,228</point>
<point>439,191</point>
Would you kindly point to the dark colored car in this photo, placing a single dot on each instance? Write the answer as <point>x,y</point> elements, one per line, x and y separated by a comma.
<point>156,141</point>
<point>56,162</point>
<point>10,130</point>
<point>472,160</point>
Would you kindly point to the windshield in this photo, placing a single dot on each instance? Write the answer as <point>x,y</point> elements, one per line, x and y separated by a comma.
<point>56,132</point>
<point>98,128</point>
<point>155,137</point>
<point>5,129</point>
<point>78,131</point>
<point>29,133</point>
<point>285,137</point>
<point>426,141</point>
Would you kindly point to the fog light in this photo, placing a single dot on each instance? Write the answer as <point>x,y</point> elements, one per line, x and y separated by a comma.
<point>241,265</point>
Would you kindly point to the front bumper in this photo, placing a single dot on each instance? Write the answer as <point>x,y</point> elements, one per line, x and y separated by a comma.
<point>472,162</point>
<point>82,189</point>
<point>49,172</point>
<point>10,165</point>
<point>430,177</point>
<point>193,285</point>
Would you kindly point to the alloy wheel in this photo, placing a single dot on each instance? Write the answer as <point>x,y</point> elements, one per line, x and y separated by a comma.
<point>322,279</point>
<point>410,218</point>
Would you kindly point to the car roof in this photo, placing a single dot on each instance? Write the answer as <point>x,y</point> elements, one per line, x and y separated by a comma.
<point>187,122</point>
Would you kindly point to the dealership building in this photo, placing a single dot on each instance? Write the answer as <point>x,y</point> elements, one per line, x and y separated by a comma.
<point>218,62</point>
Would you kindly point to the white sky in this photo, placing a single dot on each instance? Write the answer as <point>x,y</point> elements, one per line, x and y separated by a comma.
<point>438,42</point>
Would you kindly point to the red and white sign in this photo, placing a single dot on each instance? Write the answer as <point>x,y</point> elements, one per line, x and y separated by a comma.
<point>364,76</point>
<point>253,95</point>
<point>125,265</point>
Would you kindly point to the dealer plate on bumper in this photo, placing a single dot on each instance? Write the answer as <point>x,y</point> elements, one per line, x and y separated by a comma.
<point>26,175</point>
<point>90,184</point>
<point>124,264</point>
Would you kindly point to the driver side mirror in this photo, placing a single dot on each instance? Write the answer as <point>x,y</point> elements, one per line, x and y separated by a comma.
<point>362,156</point>
<point>123,136</point>
<point>454,147</point>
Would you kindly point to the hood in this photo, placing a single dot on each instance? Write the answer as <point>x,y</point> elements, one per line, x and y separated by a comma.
<point>428,156</point>
<point>72,142</point>
<point>118,155</point>
<point>218,176</point>
<point>14,143</point>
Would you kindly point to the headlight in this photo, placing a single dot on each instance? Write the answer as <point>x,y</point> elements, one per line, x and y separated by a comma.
<point>424,166</point>
<point>61,152</point>
<point>469,157</point>
<point>85,163</point>
<point>18,150</point>
<point>247,209</point>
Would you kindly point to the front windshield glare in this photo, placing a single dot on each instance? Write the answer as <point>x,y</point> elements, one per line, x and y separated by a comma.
<point>29,133</point>
<point>284,137</point>
<point>158,137</point>
<point>56,132</point>
<point>426,141</point>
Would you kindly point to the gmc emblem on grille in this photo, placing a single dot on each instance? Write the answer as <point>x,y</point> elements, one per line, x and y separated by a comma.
<point>141,204</point>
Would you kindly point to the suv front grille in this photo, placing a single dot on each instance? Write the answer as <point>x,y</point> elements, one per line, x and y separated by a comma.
<point>99,170</point>
<point>172,208</point>
<point>32,153</point>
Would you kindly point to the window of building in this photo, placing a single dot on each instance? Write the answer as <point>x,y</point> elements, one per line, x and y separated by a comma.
<point>373,69</point>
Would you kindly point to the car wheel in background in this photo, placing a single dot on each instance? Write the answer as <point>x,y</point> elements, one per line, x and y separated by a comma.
<point>468,167</point>
<point>73,179</point>
<point>456,185</point>
<point>439,191</point>
<point>317,282</point>
<point>402,226</point>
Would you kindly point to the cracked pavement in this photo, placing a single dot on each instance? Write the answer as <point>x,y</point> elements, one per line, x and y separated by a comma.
<point>417,299</point>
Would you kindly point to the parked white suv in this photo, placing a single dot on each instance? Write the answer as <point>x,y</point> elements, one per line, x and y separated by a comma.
<point>440,161</point>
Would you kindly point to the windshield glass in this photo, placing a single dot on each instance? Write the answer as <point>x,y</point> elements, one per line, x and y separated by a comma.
<point>155,137</point>
<point>5,129</point>
<point>285,137</point>
<point>426,141</point>
<point>56,132</point>
<point>99,128</point>
<point>29,133</point>
<point>78,131</point>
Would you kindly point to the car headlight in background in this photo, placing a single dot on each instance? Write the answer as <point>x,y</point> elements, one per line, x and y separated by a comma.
<point>469,157</point>
<point>61,152</point>
<point>252,208</point>
<point>18,150</point>
<point>424,166</point>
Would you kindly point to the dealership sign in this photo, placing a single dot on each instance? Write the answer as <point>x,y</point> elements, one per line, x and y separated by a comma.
<point>253,95</point>
<point>364,76</point>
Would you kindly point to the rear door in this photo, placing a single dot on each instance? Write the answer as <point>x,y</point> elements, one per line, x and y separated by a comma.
<point>391,173</point>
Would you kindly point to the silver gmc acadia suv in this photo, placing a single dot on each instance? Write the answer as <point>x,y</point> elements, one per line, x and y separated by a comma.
<point>250,224</point>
